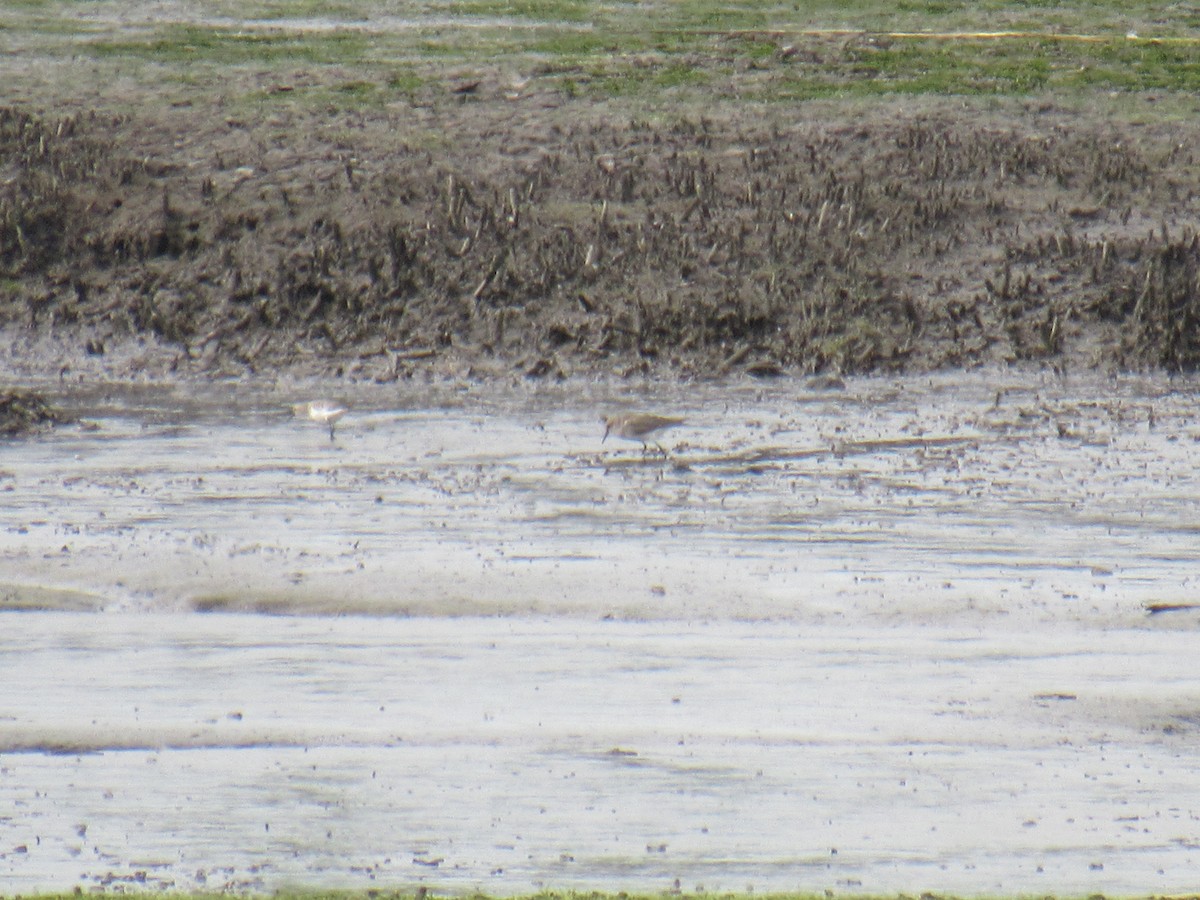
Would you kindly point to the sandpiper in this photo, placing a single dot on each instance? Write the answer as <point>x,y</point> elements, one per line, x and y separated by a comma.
<point>324,411</point>
<point>638,426</point>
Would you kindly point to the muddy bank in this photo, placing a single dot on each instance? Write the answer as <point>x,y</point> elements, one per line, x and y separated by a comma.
<point>480,237</point>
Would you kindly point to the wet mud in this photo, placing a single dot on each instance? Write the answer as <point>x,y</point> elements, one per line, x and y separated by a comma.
<point>892,636</point>
<point>1009,494</point>
<point>506,755</point>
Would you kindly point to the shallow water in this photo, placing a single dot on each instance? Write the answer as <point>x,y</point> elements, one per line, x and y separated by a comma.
<point>887,638</point>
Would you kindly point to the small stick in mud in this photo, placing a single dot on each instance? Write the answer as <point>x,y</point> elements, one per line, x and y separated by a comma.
<point>638,426</point>
<point>324,411</point>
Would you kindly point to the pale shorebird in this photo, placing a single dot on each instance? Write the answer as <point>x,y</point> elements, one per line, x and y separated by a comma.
<point>324,411</point>
<point>638,427</point>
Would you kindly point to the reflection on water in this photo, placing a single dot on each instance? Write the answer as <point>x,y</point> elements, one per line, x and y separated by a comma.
<point>892,638</point>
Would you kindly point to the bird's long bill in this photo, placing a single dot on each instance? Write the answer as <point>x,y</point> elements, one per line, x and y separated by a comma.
<point>607,428</point>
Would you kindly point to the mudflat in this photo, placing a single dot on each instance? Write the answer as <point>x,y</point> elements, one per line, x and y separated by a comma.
<point>889,630</point>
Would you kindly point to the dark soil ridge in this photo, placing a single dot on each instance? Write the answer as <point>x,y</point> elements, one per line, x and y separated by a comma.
<point>478,240</point>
